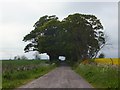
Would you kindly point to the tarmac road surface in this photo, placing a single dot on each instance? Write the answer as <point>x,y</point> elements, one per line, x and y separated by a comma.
<point>61,77</point>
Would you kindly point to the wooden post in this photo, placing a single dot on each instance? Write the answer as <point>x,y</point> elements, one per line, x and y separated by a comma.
<point>111,60</point>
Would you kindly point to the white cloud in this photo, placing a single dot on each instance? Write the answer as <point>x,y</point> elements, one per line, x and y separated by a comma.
<point>11,36</point>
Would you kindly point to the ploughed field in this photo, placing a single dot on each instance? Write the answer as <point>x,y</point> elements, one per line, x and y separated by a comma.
<point>18,72</point>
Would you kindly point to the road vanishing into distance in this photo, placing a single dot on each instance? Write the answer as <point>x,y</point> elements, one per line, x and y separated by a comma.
<point>61,77</point>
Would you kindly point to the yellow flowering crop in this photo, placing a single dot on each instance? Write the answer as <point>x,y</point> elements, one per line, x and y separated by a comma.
<point>114,61</point>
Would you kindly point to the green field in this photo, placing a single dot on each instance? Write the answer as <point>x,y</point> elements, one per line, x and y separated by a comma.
<point>18,72</point>
<point>99,76</point>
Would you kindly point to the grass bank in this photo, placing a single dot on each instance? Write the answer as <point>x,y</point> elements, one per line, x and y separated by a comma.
<point>17,73</point>
<point>99,76</point>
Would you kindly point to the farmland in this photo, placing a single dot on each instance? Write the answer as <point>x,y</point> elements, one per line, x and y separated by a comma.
<point>19,72</point>
<point>111,61</point>
<point>100,73</point>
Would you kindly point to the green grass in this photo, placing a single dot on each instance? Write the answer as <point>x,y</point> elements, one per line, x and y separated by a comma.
<point>8,65</point>
<point>17,73</point>
<point>99,76</point>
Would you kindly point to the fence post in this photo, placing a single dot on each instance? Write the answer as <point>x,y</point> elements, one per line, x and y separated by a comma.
<point>111,60</point>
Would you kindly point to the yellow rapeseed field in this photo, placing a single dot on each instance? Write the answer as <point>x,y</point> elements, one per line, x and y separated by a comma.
<point>112,61</point>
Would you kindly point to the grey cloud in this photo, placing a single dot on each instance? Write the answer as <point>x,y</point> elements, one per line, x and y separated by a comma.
<point>23,15</point>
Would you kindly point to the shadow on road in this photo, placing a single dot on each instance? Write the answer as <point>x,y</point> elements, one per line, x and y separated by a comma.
<point>63,63</point>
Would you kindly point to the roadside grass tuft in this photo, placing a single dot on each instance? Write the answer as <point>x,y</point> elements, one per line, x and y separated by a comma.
<point>13,78</point>
<point>99,76</point>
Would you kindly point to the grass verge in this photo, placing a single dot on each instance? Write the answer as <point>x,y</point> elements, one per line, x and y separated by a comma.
<point>99,76</point>
<point>12,79</point>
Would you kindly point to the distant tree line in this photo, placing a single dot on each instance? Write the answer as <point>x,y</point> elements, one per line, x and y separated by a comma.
<point>23,57</point>
<point>102,55</point>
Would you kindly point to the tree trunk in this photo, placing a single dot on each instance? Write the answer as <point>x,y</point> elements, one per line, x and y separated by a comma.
<point>53,57</point>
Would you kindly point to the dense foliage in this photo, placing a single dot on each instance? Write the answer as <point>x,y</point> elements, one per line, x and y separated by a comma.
<point>76,37</point>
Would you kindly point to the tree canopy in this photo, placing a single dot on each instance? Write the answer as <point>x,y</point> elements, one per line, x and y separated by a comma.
<point>77,37</point>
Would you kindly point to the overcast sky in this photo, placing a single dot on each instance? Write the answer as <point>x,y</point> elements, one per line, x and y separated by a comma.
<point>17,18</point>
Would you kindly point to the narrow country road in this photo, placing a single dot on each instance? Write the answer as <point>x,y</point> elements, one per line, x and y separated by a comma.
<point>61,77</point>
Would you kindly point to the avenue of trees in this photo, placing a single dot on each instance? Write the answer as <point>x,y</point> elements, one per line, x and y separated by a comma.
<point>77,37</point>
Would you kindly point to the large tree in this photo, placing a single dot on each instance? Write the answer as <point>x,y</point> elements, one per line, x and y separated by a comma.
<point>85,36</point>
<point>77,36</point>
<point>44,37</point>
